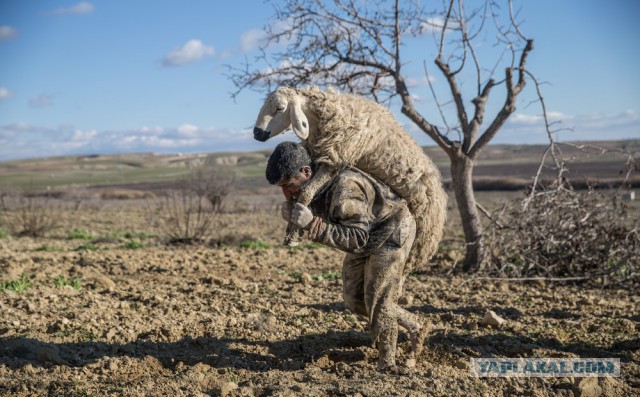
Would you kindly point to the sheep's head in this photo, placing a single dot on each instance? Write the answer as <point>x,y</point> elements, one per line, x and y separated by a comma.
<point>281,110</point>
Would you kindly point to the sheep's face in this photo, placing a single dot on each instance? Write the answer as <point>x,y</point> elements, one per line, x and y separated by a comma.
<point>281,109</point>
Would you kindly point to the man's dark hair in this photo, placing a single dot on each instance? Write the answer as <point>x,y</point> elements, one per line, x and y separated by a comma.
<point>286,161</point>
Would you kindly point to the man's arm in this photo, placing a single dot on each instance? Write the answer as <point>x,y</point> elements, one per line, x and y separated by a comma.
<point>347,228</point>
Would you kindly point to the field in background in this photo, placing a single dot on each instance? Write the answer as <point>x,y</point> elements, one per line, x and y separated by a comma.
<point>500,167</point>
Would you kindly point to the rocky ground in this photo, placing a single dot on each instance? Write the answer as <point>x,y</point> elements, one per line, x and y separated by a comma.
<point>119,313</point>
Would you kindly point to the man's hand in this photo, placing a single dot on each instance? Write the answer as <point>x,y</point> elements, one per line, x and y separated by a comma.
<point>301,216</point>
<point>285,210</point>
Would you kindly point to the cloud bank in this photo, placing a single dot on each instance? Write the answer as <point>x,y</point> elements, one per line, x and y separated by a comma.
<point>591,126</point>
<point>522,128</point>
<point>22,140</point>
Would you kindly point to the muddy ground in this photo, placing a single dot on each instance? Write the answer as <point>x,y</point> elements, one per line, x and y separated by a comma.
<point>104,316</point>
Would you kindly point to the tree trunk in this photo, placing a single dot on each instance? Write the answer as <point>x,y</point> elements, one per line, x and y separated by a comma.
<point>462,181</point>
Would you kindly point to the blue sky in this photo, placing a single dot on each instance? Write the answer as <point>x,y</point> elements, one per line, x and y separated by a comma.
<point>111,76</point>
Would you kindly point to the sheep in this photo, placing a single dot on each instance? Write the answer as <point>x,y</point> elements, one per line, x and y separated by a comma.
<point>342,130</point>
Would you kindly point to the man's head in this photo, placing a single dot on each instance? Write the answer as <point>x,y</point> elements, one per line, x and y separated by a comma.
<point>289,167</point>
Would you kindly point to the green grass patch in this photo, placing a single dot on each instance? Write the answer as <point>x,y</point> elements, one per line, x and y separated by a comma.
<point>296,274</point>
<point>87,247</point>
<point>3,233</point>
<point>87,336</point>
<point>328,275</point>
<point>133,245</point>
<point>254,244</point>
<point>62,281</point>
<point>19,285</point>
<point>79,234</point>
<point>65,333</point>
<point>138,235</point>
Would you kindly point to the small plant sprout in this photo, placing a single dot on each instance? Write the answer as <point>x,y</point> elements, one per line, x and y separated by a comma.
<point>79,234</point>
<point>62,281</point>
<point>19,285</point>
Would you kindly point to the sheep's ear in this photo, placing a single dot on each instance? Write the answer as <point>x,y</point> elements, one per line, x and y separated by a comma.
<point>299,121</point>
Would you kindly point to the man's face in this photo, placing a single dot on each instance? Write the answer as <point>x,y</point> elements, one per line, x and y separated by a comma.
<point>291,186</point>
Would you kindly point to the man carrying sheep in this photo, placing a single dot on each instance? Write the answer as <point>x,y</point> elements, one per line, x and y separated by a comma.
<point>361,216</point>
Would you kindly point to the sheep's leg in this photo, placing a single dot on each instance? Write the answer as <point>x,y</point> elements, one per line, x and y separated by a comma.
<point>322,177</point>
<point>293,235</point>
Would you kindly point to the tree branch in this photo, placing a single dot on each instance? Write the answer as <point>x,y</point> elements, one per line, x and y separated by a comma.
<point>510,103</point>
<point>409,110</point>
<point>457,96</point>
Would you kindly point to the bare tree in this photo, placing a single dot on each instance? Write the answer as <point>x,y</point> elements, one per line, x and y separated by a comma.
<point>359,47</point>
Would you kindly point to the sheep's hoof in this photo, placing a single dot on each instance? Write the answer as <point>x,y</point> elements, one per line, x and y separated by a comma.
<point>293,236</point>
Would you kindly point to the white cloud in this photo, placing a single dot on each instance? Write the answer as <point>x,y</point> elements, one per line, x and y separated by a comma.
<point>224,54</point>
<point>252,39</point>
<point>78,9</point>
<point>557,116</point>
<point>5,93</point>
<point>421,81</point>
<point>525,119</point>
<point>189,52</point>
<point>436,24</point>
<point>41,101</point>
<point>83,136</point>
<point>187,130</point>
<point>7,32</point>
<point>526,128</point>
<point>531,119</point>
<point>151,130</point>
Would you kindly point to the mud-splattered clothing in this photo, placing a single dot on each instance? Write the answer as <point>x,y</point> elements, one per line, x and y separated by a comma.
<point>363,217</point>
<point>356,213</point>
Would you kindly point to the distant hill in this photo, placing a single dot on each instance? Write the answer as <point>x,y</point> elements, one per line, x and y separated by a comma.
<point>506,165</point>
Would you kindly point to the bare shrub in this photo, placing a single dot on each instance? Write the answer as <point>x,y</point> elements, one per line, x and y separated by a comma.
<point>559,234</point>
<point>185,215</point>
<point>32,215</point>
<point>212,183</point>
<point>562,233</point>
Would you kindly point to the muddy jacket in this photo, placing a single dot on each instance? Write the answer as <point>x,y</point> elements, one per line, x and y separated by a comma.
<point>356,213</point>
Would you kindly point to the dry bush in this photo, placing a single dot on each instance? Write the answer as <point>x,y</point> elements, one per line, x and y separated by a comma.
<point>32,215</point>
<point>186,214</point>
<point>562,233</point>
<point>212,183</point>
